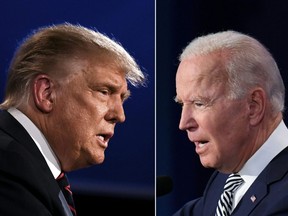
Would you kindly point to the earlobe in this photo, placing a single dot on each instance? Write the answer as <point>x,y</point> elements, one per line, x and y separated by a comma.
<point>257,106</point>
<point>43,93</point>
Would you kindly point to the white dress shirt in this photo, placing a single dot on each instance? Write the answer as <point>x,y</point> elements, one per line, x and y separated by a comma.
<point>39,140</point>
<point>277,141</point>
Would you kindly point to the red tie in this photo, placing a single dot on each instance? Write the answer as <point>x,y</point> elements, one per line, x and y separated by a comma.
<point>65,187</point>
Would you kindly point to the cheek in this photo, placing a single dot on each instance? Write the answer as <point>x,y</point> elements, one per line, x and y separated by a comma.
<point>85,111</point>
<point>238,121</point>
<point>79,117</point>
<point>223,124</point>
<point>100,109</point>
<point>72,119</point>
<point>232,129</point>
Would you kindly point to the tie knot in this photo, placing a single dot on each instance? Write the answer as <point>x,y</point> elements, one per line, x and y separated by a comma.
<point>62,180</point>
<point>62,175</point>
<point>233,182</point>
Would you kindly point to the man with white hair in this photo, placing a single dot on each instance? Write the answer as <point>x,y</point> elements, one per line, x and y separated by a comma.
<point>232,98</point>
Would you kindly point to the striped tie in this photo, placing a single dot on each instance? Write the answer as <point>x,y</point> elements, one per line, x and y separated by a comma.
<point>224,207</point>
<point>65,188</point>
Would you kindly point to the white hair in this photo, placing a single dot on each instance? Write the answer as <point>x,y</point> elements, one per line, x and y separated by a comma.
<point>246,61</point>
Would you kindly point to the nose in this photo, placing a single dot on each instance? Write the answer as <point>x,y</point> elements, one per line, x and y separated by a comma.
<point>116,112</point>
<point>187,120</point>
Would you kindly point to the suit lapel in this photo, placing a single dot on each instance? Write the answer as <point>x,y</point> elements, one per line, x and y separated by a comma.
<point>213,191</point>
<point>45,178</point>
<point>275,170</point>
<point>252,197</point>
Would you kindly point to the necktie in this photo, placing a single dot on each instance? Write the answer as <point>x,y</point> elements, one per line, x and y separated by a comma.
<point>65,188</point>
<point>224,207</point>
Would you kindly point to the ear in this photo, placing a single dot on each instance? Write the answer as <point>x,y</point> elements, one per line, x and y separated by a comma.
<point>43,93</point>
<point>257,105</point>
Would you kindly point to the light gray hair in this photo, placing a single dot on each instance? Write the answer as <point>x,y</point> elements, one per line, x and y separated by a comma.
<point>246,61</point>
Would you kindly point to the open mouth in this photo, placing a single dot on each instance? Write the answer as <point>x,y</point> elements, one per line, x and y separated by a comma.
<point>104,139</point>
<point>201,144</point>
<point>101,137</point>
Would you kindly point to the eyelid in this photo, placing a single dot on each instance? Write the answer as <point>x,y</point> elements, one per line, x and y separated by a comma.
<point>105,91</point>
<point>195,102</point>
<point>199,103</point>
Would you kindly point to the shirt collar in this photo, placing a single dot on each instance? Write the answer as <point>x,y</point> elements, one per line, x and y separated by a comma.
<point>39,140</point>
<point>261,158</point>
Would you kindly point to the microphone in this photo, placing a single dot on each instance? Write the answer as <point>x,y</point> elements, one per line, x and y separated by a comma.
<point>164,185</point>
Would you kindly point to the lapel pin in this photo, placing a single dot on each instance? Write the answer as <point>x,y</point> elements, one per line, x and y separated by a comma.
<point>253,198</point>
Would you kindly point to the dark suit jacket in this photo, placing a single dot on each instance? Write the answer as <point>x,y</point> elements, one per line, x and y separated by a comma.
<point>270,190</point>
<point>27,186</point>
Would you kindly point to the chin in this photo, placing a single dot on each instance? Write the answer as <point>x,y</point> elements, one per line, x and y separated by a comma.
<point>99,159</point>
<point>207,164</point>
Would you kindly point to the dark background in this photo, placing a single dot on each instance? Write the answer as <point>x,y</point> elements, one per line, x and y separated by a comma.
<point>178,22</point>
<point>125,181</point>
<point>126,178</point>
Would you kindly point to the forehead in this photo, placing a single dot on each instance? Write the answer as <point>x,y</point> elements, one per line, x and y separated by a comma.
<point>95,70</point>
<point>106,75</point>
<point>200,74</point>
<point>208,66</point>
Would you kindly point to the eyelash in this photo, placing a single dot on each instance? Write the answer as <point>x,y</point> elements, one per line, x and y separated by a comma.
<point>105,92</point>
<point>198,104</point>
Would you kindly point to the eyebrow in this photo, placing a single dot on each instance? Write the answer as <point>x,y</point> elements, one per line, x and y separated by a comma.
<point>114,88</point>
<point>204,99</point>
<point>177,100</point>
<point>126,95</point>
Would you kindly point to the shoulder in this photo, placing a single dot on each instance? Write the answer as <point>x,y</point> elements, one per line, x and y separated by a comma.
<point>203,204</point>
<point>190,208</point>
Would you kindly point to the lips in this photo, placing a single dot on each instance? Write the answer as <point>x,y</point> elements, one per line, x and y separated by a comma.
<point>201,146</point>
<point>201,143</point>
<point>104,139</point>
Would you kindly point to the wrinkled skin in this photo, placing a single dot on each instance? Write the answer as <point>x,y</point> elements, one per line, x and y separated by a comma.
<point>78,114</point>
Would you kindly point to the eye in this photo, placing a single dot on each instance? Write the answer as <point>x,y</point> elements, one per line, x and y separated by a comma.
<point>104,92</point>
<point>198,104</point>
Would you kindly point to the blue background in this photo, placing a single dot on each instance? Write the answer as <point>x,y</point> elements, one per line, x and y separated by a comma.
<point>178,22</point>
<point>128,170</point>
